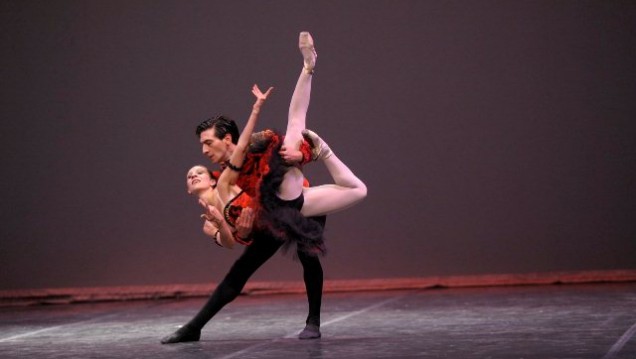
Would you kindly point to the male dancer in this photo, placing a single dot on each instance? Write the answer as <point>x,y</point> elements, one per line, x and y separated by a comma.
<point>218,137</point>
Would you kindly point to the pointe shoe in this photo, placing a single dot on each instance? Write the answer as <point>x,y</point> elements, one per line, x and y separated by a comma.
<point>319,148</point>
<point>306,46</point>
<point>311,331</point>
<point>182,335</point>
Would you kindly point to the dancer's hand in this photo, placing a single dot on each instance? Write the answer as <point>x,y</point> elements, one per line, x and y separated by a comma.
<point>211,213</point>
<point>210,228</point>
<point>212,223</point>
<point>260,96</point>
<point>290,155</point>
<point>245,222</point>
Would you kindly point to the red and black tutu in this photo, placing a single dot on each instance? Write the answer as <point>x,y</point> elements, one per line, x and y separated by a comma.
<point>261,175</point>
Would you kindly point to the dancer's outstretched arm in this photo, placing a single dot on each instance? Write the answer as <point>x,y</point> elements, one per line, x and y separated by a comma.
<point>230,175</point>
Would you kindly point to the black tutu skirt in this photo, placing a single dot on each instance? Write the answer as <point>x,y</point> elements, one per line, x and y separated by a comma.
<point>279,218</point>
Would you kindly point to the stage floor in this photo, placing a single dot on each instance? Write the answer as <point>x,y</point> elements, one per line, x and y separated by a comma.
<point>557,321</point>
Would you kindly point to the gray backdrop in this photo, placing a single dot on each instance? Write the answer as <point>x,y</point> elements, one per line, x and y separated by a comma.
<point>494,136</point>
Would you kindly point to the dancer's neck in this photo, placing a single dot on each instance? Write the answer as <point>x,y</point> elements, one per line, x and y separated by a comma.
<point>208,196</point>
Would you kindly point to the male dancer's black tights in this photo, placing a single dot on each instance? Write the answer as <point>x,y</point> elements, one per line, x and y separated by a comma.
<point>252,258</point>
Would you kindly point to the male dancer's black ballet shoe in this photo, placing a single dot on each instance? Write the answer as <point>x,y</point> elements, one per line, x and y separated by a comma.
<point>182,335</point>
<point>306,46</point>
<point>319,148</point>
<point>311,331</point>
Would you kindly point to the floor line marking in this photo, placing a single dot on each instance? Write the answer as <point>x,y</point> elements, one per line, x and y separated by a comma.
<point>18,336</point>
<point>94,319</point>
<point>621,342</point>
<point>335,320</point>
<point>28,334</point>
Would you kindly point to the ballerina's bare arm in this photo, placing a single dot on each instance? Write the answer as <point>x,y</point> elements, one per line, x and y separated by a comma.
<point>229,176</point>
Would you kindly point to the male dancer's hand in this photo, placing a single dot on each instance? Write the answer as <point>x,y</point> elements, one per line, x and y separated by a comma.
<point>290,156</point>
<point>244,223</point>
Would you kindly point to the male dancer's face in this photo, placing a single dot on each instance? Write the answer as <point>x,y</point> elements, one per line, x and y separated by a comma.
<point>218,150</point>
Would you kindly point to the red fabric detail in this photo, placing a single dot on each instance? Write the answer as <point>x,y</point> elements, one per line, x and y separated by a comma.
<point>256,166</point>
<point>306,151</point>
<point>233,209</point>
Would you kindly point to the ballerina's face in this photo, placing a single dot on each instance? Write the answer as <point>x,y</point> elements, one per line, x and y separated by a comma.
<point>198,179</point>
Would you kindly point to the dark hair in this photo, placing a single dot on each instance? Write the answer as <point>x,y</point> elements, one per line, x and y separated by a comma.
<point>222,126</point>
<point>210,173</point>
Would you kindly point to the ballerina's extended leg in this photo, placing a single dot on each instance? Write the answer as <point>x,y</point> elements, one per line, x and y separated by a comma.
<point>291,186</point>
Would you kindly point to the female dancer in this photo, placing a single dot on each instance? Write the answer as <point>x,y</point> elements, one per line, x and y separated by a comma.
<point>282,202</point>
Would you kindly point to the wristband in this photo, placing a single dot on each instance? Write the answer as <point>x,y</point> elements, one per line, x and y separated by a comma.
<point>216,238</point>
<point>232,167</point>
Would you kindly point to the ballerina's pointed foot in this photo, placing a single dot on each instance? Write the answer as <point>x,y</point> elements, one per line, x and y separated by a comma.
<point>182,335</point>
<point>307,49</point>
<point>319,148</point>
